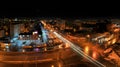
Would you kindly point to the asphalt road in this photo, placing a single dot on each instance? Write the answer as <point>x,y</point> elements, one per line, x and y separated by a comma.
<point>45,64</point>
<point>78,47</point>
<point>59,58</point>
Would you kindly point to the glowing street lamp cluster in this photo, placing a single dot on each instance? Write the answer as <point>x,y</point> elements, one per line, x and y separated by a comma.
<point>79,51</point>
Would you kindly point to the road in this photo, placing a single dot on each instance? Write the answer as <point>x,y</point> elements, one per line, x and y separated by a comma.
<point>45,64</point>
<point>55,58</point>
<point>80,48</point>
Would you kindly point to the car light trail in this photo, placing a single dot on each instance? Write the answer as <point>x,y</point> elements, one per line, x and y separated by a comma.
<point>79,51</point>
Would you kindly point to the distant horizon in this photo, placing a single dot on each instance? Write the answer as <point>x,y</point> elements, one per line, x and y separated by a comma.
<point>61,17</point>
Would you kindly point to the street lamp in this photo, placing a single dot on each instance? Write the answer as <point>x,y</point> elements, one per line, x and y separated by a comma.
<point>86,49</point>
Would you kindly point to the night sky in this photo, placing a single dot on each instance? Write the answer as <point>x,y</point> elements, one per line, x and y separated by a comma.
<point>40,10</point>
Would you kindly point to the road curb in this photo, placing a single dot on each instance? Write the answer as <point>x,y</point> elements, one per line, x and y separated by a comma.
<point>29,62</point>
